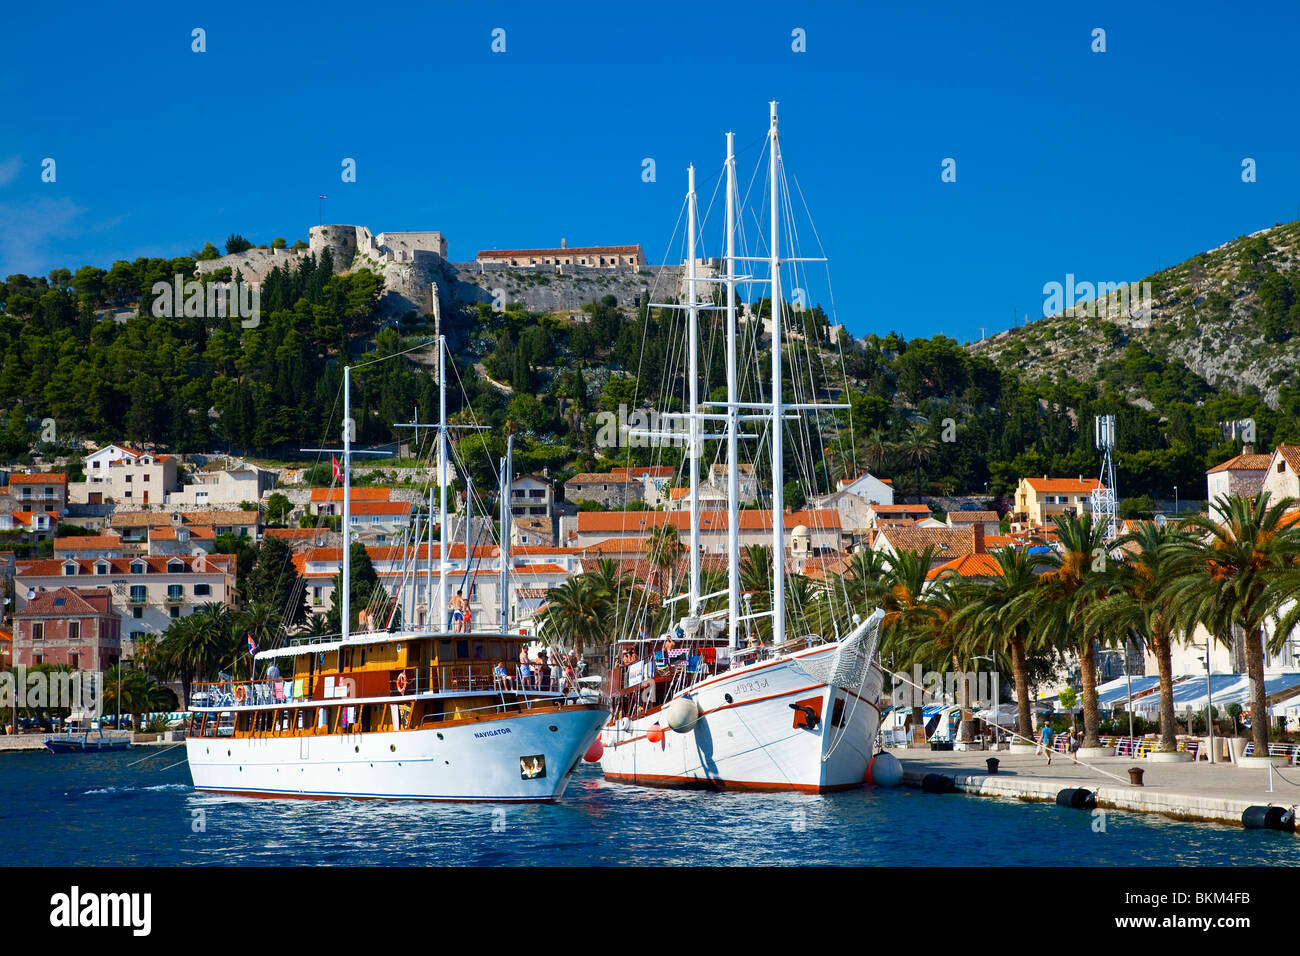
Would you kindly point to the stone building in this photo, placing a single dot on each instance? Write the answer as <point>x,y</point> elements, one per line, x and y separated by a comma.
<point>78,629</point>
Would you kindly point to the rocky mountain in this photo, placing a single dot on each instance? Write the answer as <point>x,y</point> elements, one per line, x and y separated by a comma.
<point>1231,315</point>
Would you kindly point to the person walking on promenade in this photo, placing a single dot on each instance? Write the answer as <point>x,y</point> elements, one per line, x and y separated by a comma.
<point>1047,742</point>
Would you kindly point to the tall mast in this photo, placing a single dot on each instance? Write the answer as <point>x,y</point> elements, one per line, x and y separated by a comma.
<point>442,484</point>
<point>733,457</point>
<point>428,569</point>
<point>347,501</point>
<point>693,321</point>
<point>504,550</point>
<point>778,452</point>
<point>469,546</point>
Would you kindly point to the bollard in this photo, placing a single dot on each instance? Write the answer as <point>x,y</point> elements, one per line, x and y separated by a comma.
<point>992,764</point>
<point>937,783</point>
<point>1135,776</point>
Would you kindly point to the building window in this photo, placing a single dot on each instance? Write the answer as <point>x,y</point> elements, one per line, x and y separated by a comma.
<point>38,631</point>
<point>137,594</point>
<point>174,592</point>
<point>202,590</point>
<point>175,610</point>
<point>74,661</point>
<point>137,612</point>
<point>74,631</point>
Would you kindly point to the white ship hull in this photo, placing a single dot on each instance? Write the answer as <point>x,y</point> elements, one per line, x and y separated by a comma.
<point>465,761</point>
<point>752,741</point>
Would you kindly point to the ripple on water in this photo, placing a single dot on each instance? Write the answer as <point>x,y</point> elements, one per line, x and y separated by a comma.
<point>100,809</point>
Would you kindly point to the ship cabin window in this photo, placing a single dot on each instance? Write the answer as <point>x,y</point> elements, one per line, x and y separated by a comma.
<point>480,650</point>
<point>445,651</point>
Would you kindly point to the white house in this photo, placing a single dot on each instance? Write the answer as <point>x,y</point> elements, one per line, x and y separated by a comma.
<point>227,488</point>
<point>868,487</point>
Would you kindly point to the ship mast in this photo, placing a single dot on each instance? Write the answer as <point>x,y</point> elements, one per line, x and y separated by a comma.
<point>504,550</point>
<point>347,501</point>
<point>733,457</point>
<point>693,322</point>
<point>442,488</point>
<point>778,451</point>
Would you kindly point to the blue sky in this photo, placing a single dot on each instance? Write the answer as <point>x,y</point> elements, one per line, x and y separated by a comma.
<point>1104,165</point>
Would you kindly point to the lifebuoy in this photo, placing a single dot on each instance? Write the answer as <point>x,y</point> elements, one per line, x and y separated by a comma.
<point>401,683</point>
<point>240,693</point>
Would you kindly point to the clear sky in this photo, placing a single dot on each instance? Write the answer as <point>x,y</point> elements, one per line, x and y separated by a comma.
<point>1104,165</point>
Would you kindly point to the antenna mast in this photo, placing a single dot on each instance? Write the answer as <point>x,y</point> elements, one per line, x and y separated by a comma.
<point>1104,511</point>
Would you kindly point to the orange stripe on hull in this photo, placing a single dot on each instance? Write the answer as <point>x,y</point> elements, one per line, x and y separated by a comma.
<point>697,783</point>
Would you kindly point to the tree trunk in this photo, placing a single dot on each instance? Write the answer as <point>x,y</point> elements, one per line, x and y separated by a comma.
<point>1165,667</point>
<point>1091,720</point>
<point>1020,673</point>
<point>964,733</point>
<point>1258,698</point>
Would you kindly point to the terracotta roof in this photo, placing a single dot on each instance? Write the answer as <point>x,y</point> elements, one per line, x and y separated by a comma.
<point>1243,463</point>
<point>65,602</point>
<point>531,594</point>
<point>607,478</point>
<point>981,565</point>
<point>358,494</point>
<point>1290,454</point>
<point>148,519</point>
<point>576,250</point>
<point>615,545</point>
<point>39,478</point>
<point>154,564</point>
<point>1063,485</point>
<point>82,542</point>
<point>647,471</point>
<point>900,509</point>
<point>970,517</point>
<point>750,520</point>
<point>294,534</point>
<point>947,542</point>
<point>381,508</point>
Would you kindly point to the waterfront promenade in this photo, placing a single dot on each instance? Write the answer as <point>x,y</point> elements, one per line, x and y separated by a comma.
<point>1186,791</point>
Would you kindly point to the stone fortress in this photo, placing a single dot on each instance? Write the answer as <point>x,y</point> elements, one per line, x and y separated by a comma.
<point>419,277</point>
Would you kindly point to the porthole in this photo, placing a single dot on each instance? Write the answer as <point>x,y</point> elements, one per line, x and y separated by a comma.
<point>357,748</point>
<point>553,728</point>
<point>440,735</point>
<point>392,748</point>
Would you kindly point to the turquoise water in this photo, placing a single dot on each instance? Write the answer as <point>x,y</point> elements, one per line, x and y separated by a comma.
<point>99,810</point>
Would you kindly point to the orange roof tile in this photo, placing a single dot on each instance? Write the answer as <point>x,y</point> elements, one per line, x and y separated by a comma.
<point>750,520</point>
<point>39,478</point>
<point>328,495</point>
<point>1243,463</point>
<point>982,565</point>
<point>82,542</point>
<point>1063,485</point>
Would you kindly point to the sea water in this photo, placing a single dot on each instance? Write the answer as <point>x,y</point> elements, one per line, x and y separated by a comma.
<point>139,808</point>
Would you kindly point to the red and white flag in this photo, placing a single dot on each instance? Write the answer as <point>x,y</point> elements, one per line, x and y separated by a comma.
<point>338,472</point>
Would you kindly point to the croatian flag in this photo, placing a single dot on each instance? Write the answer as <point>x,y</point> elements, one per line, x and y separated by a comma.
<point>252,646</point>
<point>338,472</point>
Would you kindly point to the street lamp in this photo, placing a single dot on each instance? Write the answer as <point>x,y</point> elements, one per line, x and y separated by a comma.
<point>1175,499</point>
<point>1209,698</point>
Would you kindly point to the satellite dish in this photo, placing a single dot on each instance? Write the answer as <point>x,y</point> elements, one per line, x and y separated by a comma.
<point>31,594</point>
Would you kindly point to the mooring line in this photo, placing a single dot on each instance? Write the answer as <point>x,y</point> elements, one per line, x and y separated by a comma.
<point>155,754</point>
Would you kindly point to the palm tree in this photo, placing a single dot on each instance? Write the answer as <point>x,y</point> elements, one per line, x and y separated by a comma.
<point>876,449</point>
<point>997,620</point>
<point>1058,607</point>
<point>128,690</point>
<point>756,584</point>
<point>663,548</point>
<point>1137,599</point>
<point>264,623</point>
<point>917,448</point>
<point>907,629</point>
<point>1229,576</point>
<point>196,647</point>
<point>576,613</point>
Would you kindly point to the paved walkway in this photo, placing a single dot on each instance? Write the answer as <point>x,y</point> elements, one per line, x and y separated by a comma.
<point>1188,791</point>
